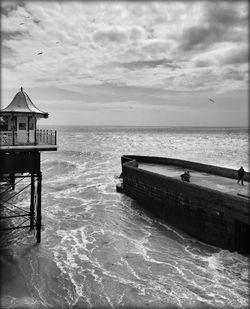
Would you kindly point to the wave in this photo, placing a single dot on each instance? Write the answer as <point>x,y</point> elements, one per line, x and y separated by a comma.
<point>82,154</point>
<point>57,168</point>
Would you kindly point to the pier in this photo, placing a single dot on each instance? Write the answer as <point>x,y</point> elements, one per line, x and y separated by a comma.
<point>21,143</point>
<point>212,207</point>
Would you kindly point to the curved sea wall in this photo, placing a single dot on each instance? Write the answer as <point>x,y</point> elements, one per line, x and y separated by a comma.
<point>211,169</point>
<point>211,216</point>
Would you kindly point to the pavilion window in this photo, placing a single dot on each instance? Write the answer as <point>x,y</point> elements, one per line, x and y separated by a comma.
<point>22,126</point>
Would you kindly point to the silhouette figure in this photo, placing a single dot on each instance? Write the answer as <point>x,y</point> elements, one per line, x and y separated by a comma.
<point>241,174</point>
<point>186,176</point>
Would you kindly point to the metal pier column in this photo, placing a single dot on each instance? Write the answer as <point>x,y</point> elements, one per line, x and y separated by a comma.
<point>12,181</point>
<point>32,201</point>
<point>39,204</point>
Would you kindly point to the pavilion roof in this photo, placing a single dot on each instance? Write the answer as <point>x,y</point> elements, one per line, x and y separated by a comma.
<point>23,104</point>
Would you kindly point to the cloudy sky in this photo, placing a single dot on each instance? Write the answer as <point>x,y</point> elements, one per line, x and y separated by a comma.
<point>128,63</point>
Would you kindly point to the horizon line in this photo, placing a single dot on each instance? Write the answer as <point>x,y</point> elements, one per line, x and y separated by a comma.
<point>148,126</point>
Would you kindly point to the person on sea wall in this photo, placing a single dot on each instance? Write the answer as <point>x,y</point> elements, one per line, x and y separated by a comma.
<point>241,174</point>
<point>186,176</point>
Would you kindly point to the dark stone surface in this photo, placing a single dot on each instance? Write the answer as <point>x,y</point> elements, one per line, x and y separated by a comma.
<point>211,216</point>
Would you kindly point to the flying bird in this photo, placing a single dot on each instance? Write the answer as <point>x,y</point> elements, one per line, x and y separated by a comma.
<point>40,53</point>
<point>57,42</point>
<point>21,24</point>
<point>211,100</point>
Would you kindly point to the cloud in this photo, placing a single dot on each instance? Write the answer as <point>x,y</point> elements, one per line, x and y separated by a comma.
<point>201,63</point>
<point>205,36</point>
<point>12,34</point>
<point>144,64</point>
<point>110,35</point>
<point>124,43</point>
<point>225,54</point>
<point>196,37</point>
<point>236,55</point>
<point>224,13</point>
<point>8,6</point>
<point>155,47</point>
<point>136,33</point>
<point>219,22</point>
<point>234,75</point>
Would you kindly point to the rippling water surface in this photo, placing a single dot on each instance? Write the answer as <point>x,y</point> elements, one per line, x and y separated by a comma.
<point>101,249</point>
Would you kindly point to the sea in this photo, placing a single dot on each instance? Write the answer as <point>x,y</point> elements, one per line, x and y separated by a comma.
<point>101,249</point>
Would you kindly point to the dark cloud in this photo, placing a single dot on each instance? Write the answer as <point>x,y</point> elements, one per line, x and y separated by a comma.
<point>144,64</point>
<point>221,22</point>
<point>198,37</point>
<point>7,35</point>
<point>8,6</point>
<point>225,13</point>
<point>201,37</point>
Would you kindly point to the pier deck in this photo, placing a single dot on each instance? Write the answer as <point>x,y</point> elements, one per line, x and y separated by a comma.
<point>222,184</point>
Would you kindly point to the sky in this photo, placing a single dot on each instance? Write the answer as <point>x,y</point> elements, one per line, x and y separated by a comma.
<point>145,63</point>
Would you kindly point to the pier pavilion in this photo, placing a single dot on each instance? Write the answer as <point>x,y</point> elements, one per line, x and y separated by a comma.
<point>21,143</point>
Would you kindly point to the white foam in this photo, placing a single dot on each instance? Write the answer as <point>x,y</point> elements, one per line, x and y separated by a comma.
<point>213,261</point>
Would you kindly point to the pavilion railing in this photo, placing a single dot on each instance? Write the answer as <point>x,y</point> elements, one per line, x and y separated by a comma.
<point>37,137</point>
<point>45,137</point>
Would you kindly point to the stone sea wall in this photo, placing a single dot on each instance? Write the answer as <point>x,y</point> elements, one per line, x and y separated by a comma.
<point>211,216</point>
<point>216,170</point>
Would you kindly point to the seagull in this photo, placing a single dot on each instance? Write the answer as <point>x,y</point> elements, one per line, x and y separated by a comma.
<point>21,24</point>
<point>40,53</point>
<point>211,100</point>
<point>57,42</point>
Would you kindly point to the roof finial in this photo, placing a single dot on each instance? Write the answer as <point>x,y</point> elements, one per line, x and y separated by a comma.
<point>21,88</point>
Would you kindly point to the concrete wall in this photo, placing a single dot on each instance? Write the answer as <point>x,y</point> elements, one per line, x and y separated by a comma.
<point>211,216</point>
<point>212,169</point>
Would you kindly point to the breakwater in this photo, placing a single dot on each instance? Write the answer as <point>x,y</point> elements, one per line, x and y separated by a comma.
<point>217,218</point>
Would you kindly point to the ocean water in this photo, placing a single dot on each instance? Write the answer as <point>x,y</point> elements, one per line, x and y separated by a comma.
<point>100,249</point>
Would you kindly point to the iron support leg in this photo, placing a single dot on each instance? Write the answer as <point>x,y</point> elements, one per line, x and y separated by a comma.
<point>39,201</point>
<point>32,201</point>
<point>12,181</point>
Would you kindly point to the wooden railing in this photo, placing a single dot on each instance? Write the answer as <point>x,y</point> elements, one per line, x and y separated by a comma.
<point>7,138</point>
<point>45,137</point>
<point>37,137</point>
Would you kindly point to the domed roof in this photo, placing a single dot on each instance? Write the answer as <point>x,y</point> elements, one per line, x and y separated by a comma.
<point>23,104</point>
